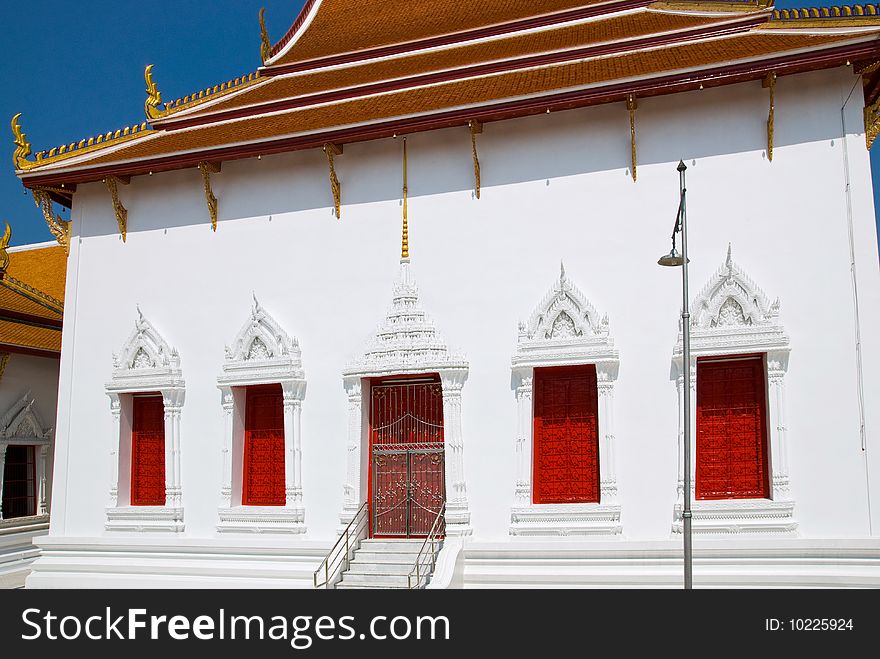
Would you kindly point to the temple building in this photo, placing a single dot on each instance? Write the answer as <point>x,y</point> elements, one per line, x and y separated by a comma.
<point>386,312</point>
<point>31,307</point>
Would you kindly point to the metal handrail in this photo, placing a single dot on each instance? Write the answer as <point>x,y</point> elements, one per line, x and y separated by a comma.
<point>432,538</point>
<point>347,541</point>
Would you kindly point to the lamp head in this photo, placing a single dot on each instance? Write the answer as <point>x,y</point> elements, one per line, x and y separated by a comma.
<point>672,259</point>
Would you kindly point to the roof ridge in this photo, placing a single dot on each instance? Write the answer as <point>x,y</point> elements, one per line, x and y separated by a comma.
<point>208,94</point>
<point>832,12</point>
<point>32,293</point>
<point>65,151</point>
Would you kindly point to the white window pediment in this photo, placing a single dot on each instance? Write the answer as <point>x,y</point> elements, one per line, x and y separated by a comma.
<point>564,328</point>
<point>22,424</point>
<point>146,361</point>
<point>261,352</point>
<point>732,312</point>
<point>732,315</point>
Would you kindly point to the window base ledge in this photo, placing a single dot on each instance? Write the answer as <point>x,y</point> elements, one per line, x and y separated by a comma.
<point>735,516</point>
<point>145,519</point>
<point>22,524</point>
<point>262,519</point>
<point>576,519</point>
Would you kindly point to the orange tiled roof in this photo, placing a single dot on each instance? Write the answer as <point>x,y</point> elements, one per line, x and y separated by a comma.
<point>619,28</point>
<point>32,300</point>
<point>20,335</point>
<point>625,41</point>
<point>475,90</point>
<point>342,26</point>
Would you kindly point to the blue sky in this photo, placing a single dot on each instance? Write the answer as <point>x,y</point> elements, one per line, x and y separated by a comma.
<point>75,69</point>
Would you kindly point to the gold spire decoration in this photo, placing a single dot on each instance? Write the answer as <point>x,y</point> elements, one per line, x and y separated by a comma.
<point>332,150</point>
<point>59,228</point>
<point>632,105</point>
<point>208,168</point>
<point>404,246</point>
<point>4,255</point>
<point>476,128</point>
<point>154,96</point>
<point>119,210</point>
<point>770,81</point>
<point>265,44</point>
<point>22,146</point>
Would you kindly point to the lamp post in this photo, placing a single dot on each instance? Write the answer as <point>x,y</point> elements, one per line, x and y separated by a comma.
<point>675,259</point>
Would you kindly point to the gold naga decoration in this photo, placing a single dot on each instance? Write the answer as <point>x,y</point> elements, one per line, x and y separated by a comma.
<point>872,122</point>
<point>22,146</point>
<point>333,150</point>
<point>476,128</point>
<point>59,228</point>
<point>154,96</point>
<point>208,168</point>
<point>265,44</point>
<point>112,183</point>
<point>632,105</point>
<point>404,243</point>
<point>770,82</point>
<point>4,255</point>
<point>4,360</point>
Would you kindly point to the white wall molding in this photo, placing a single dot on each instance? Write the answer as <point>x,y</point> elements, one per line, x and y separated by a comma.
<point>146,363</point>
<point>565,330</point>
<point>732,315</point>
<point>262,353</point>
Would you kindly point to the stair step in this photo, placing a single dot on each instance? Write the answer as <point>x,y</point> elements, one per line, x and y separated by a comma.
<point>360,586</point>
<point>403,546</point>
<point>379,568</point>
<point>399,580</point>
<point>362,556</point>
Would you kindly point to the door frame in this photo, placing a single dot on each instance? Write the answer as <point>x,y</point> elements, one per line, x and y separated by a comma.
<point>431,377</point>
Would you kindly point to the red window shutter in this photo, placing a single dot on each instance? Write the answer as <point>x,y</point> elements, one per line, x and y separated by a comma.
<point>566,435</point>
<point>263,482</point>
<point>148,451</point>
<point>732,456</point>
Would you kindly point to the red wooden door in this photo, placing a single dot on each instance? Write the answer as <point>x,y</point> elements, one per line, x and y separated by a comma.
<point>148,450</point>
<point>731,429</point>
<point>263,475</point>
<point>407,468</point>
<point>566,435</point>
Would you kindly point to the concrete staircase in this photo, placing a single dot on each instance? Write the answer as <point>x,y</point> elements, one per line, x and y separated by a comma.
<point>385,563</point>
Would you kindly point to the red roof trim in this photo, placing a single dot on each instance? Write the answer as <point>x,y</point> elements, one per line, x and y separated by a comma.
<point>297,24</point>
<point>463,72</point>
<point>30,319</point>
<point>33,352</point>
<point>450,39</point>
<point>617,92</point>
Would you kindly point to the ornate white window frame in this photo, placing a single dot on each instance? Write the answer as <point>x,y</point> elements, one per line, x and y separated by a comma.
<point>732,316</point>
<point>21,426</point>
<point>407,343</point>
<point>262,353</point>
<point>145,364</point>
<point>565,330</point>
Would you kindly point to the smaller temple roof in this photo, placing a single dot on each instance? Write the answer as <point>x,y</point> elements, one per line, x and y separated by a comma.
<point>32,299</point>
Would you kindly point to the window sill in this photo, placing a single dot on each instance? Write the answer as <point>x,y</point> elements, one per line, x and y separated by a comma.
<point>733,516</point>
<point>145,519</point>
<point>561,519</point>
<point>21,524</point>
<point>262,519</point>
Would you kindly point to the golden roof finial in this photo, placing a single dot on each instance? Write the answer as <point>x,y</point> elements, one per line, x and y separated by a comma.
<point>154,96</point>
<point>265,44</point>
<point>4,255</point>
<point>404,248</point>
<point>22,147</point>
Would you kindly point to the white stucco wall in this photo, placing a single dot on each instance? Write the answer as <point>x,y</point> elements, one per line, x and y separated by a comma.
<point>39,376</point>
<point>554,187</point>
